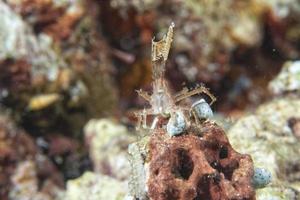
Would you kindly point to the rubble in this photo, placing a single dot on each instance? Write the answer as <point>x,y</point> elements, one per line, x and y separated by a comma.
<point>25,172</point>
<point>25,184</point>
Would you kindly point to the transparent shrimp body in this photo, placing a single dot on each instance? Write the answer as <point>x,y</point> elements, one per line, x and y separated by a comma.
<point>162,102</point>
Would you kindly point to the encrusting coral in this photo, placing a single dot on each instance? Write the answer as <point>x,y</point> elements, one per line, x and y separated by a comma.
<point>191,160</point>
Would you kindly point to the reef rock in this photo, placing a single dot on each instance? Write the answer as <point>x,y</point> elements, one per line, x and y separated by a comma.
<point>55,18</point>
<point>93,186</point>
<point>198,165</point>
<point>25,184</point>
<point>288,80</point>
<point>268,135</point>
<point>108,143</point>
<point>25,173</point>
<point>20,43</point>
<point>47,57</point>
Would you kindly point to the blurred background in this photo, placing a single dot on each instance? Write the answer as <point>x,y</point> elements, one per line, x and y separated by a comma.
<point>69,70</point>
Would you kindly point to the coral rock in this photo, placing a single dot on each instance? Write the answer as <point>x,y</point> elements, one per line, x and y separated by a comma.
<point>46,54</point>
<point>268,135</point>
<point>24,171</point>
<point>288,80</point>
<point>108,142</point>
<point>55,18</point>
<point>26,184</point>
<point>94,187</point>
<point>199,165</point>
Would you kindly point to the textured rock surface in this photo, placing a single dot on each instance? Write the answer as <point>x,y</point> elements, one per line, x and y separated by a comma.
<point>56,18</point>
<point>268,138</point>
<point>47,50</point>
<point>108,142</point>
<point>25,173</point>
<point>138,152</point>
<point>200,164</point>
<point>93,186</point>
<point>288,80</point>
<point>21,44</point>
<point>25,184</point>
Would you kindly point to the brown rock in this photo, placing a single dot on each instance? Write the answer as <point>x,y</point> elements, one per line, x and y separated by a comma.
<point>15,74</point>
<point>18,152</point>
<point>63,28</point>
<point>48,16</point>
<point>198,165</point>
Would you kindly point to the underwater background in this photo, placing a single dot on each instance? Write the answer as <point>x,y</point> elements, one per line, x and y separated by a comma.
<point>69,75</point>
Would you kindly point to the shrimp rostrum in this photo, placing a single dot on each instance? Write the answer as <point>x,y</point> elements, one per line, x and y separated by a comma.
<point>165,105</point>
